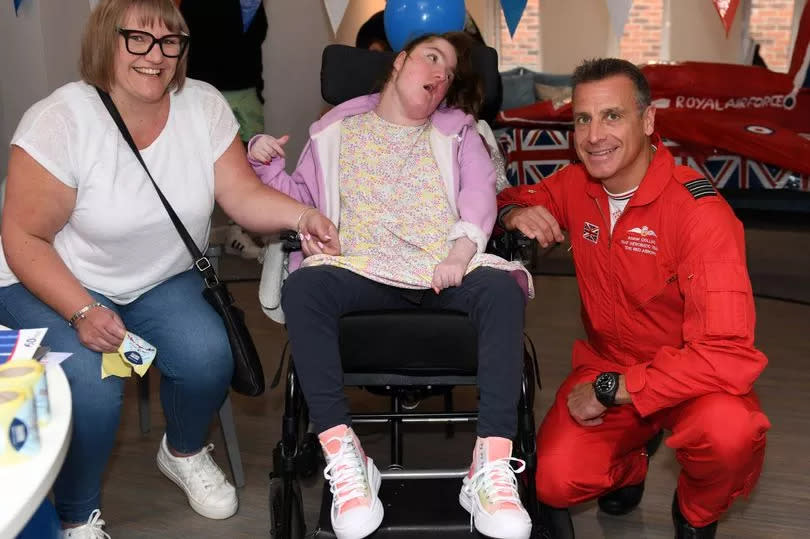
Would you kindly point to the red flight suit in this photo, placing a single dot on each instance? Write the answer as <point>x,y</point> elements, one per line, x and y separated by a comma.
<point>666,301</point>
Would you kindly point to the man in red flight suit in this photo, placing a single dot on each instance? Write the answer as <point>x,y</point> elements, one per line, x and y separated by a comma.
<point>667,307</point>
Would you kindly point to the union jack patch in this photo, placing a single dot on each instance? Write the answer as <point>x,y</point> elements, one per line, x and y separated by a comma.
<point>590,232</point>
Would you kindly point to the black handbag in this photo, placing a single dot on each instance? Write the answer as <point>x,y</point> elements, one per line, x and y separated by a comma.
<point>248,376</point>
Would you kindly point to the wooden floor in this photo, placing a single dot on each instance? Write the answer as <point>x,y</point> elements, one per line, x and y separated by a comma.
<point>138,502</point>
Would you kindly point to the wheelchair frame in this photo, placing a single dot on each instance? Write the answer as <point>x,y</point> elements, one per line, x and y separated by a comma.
<point>298,453</point>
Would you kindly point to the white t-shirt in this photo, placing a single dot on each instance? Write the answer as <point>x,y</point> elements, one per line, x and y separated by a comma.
<point>618,201</point>
<point>119,240</point>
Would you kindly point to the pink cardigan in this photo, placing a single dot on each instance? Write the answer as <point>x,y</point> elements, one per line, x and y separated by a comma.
<point>461,155</point>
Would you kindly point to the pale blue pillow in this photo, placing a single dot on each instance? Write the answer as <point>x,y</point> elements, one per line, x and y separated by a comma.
<point>518,88</point>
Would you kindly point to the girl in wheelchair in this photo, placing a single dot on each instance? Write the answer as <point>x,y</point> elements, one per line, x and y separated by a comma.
<point>409,182</point>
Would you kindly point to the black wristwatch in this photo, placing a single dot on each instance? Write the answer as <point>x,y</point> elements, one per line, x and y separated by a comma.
<point>605,386</point>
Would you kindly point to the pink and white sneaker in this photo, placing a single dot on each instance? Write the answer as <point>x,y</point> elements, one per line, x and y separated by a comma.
<point>489,492</point>
<point>354,481</point>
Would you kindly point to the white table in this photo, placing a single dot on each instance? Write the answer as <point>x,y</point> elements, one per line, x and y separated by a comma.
<point>23,486</point>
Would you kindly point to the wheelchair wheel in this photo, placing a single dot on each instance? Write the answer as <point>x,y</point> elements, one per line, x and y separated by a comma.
<point>552,523</point>
<point>297,526</point>
<point>540,531</point>
<point>309,459</point>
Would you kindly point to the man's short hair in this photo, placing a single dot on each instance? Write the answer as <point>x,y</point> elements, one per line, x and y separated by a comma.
<point>602,68</point>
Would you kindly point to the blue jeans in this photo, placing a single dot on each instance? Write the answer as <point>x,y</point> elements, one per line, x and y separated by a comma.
<point>193,357</point>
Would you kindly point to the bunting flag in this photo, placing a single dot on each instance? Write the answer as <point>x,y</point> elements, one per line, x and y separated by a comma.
<point>619,11</point>
<point>335,9</point>
<point>249,9</point>
<point>512,12</point>
<point>726,9</point>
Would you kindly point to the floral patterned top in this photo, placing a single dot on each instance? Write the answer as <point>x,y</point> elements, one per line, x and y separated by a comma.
<point>394,214</point>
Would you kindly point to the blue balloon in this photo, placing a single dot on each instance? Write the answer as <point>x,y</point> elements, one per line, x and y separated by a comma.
<point>406,20</point>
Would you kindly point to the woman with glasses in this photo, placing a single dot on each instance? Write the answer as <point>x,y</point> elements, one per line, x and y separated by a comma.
<point>89,252</point>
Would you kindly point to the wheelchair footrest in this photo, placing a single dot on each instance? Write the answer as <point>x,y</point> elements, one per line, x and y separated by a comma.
<point>414,508</point>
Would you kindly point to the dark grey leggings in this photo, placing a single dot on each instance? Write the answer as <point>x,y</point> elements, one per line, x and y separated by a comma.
<point>315,298</point>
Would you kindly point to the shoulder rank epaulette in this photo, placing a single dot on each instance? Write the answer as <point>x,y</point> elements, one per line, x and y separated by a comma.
<point>700,188</point>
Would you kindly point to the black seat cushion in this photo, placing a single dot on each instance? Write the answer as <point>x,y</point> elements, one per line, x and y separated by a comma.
<point>418,342</point>
<point>349,72</point>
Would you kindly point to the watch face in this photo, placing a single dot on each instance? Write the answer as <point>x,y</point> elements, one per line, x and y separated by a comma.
<point>605,383</point>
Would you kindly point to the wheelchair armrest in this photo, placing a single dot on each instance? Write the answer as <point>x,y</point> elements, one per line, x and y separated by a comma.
<point>506,245</point>
<point>290,241</point>
<point>520,239</point>
<point>509,244</point>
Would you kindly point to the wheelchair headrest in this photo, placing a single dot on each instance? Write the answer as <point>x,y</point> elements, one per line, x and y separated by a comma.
<point>349,72</point>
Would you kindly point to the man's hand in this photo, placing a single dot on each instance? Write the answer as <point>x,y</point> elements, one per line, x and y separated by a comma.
<point>265,148</point>
<point>583,406</point>
<point>536,222</point>
<point>318,234</point>
<point>101,330</point>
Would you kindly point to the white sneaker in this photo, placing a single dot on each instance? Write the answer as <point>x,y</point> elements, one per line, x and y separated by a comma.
<point>209,493</point>
<point>354,481</point>
<point>91,530</point>
<point>489,493</point>
<point>239,243</point>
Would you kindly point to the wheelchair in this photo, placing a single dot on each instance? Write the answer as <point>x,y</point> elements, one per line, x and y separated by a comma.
<point>406,356</point>
<point>420,342</point>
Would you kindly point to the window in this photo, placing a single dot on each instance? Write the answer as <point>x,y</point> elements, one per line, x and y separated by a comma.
<point>641,41</point>
<point>771,26</point>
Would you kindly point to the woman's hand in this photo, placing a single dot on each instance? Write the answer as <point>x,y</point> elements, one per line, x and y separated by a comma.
<point>101,330</point>
<point>318,234</point>
<point>449,272</point>
<point>265,148</point>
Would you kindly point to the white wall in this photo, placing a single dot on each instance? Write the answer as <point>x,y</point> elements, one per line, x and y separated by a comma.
<point>62,27</point>
<point>23,80</point>
<point>696,33</point>
<point>298,33</point>
<point>39,51</point>
<point>482,12</point>
<point>572,30</point>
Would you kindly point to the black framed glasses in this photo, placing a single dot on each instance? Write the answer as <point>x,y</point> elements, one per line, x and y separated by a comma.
<point>140,43</point>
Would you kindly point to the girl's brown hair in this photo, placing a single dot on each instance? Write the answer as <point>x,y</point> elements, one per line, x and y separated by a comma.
<point>100,39</point>
<point>465,91</point>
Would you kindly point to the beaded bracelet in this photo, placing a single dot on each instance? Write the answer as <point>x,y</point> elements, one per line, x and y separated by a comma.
<point>81,314</point>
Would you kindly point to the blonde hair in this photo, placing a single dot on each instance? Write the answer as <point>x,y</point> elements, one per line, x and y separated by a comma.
<point>100,39</point>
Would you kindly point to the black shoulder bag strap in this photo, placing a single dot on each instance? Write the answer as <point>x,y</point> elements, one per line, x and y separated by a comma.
<point>201,262</point>
<point>248,376</point>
